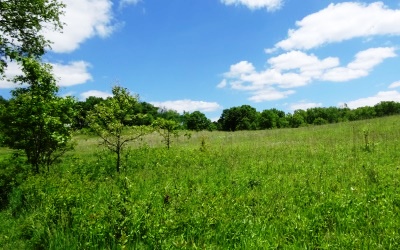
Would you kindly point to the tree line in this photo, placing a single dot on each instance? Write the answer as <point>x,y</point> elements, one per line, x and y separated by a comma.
<point>243,117</point>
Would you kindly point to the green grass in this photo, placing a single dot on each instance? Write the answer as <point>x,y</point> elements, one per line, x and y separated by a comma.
<point>323,187</point>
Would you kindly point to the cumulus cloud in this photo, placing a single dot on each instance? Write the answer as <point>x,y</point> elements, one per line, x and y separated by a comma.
<point>269,94</point>
<point>95,93</point>
<point>188,105</point>
<point>294,69</point>
<point>69,74</point>
<point>340,22</point>
<point>83,19</point>
<point>270,5</point>
<point>304,105</point>
<point>72,74</point>
<point>362,65</point>
<point>371,101</point>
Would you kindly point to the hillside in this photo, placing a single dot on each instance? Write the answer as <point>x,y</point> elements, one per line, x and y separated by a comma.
<point>328,186</point>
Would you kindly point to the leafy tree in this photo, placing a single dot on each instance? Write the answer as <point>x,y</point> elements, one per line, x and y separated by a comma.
<point>362,113</point>
<point>167,129</point>
<point>150,113</point>
<point>169,114</point>
<point>108,120</point>
<point>387,108</point>
<point>35,119</point>
<point>82,109</point>
<point>268,119</point>
<point>21,27</point>
<point>3,101</point>
<point>320,121</point>
<point>239,118</point>
<point>197,121</point>
<point>298,118</point>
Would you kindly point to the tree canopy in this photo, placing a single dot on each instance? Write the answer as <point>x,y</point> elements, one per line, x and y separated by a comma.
<point>22,25</point>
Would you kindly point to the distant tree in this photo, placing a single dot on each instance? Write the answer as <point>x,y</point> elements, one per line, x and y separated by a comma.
<point>82,110</point>
<point>387,108</point>
<point>320,121</point>
<point>22,23</point>
<point>268,119</point>
<point>196,121</point>
<point>167,129</point>
<point>169,114</point>
<point>362,113</point>
<point>298,118</point>
<point>244,117</point>
<point>36,120</point>
<point>150,112</point>
<point>108,120</point>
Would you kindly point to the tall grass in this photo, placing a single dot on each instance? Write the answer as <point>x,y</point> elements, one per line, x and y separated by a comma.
<point>314,187</point>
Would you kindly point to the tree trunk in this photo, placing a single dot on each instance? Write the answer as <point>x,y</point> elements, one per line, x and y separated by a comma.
<point>118,160</point>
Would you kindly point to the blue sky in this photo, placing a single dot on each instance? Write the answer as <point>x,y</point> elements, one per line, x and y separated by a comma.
<point>210,55</point>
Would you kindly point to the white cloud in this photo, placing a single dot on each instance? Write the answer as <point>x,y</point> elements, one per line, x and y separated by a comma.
<point>371,101</point>
<point>270,94</point>
<point>363,63</point>
<point>66,74</point>
<point>95,93</point>
<point>295,69</point>
<point>222,84</point>
<point>340,22</point>
<point>72,74</point>
<point>300,60</point>
<point>394,85</point>
<point>83,19</point>
<point>270,5</point>
<point>188,105</point>
<point>240,68</point>
<point>304,105</point>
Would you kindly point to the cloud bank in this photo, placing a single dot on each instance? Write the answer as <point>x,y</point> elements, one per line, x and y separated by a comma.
<point>296,69</point>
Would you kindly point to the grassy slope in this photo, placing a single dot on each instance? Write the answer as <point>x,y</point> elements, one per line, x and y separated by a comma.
<point>316,187</point>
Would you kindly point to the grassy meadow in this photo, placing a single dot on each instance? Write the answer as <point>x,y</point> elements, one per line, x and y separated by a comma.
<point>321,187</point>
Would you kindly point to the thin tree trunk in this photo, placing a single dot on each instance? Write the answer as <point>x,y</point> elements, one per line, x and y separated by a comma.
<point>118,160</point>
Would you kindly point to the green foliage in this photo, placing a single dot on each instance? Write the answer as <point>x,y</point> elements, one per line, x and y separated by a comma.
<point>13,172</point>
<point>167,129</point>
<point>22,23</point>
<point>108,120</point>
<point>197,121</point>
<point>36,120</point>
<point>239,118</point>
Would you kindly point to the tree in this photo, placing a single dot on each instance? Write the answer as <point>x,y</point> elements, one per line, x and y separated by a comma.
<point>22,23</point>
<point>268,119</point>
<point>36,120</point>
<point>239,118</point>
<point>387,108</point>
<point>298,118</point>
<point>82,109</point>
<point>197,121</point>
<point>167,129</point>
<point>108,120</point>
